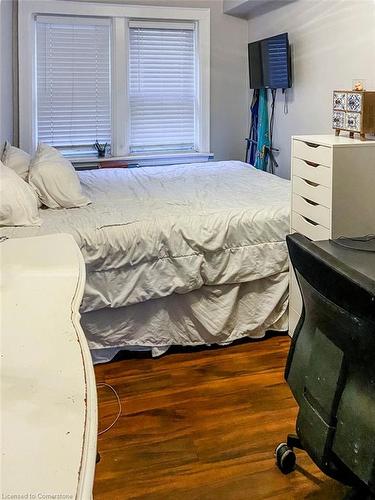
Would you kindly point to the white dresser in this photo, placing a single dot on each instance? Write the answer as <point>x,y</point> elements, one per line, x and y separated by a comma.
<point>333,193</point>
<point>48,390</point>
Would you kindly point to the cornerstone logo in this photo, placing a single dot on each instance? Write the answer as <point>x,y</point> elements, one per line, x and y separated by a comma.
<point>36,496</point>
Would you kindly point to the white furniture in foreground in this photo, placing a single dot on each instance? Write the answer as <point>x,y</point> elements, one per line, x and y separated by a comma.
<point>333,194</point>
<point>48,390</point>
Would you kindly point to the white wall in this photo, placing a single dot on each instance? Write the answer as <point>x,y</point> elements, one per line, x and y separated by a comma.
<point>229,76</point>
<point>333,43</point>
<point>6,72</point>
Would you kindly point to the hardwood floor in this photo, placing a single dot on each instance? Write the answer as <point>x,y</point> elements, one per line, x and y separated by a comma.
<point>202,424</point>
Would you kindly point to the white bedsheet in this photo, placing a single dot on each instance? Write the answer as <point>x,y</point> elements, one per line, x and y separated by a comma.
<point>153,232</point>
<point>210,315</point>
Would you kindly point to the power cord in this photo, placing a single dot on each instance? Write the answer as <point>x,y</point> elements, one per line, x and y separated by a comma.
<point>286,106</point>
<point>272,160</point>
<point>362,243</point>
<point>103,384</point>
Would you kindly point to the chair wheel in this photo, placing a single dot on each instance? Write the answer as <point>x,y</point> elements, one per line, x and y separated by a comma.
<point>285,458</point>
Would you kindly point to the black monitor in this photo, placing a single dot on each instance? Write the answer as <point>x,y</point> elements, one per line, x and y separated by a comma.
<point>270,63</point>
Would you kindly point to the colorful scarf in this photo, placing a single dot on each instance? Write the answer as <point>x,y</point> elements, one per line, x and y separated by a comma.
<point>261,160</point>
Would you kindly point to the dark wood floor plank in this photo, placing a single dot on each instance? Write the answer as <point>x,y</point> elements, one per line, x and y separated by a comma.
<point>202,424</point>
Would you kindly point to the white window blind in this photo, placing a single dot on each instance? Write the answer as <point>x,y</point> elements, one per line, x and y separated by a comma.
<point>73,81</point>
<point>162,87</point>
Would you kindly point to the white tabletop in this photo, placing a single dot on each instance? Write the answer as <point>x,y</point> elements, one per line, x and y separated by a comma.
<point>335,141</point>
<point>48,397</point>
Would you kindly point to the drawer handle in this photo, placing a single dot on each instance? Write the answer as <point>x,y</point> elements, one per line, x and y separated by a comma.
<point>311,145</point>
<point>310,183</point>
<point>309,221</point>
<point>311,163</point>
<point>310,202</point>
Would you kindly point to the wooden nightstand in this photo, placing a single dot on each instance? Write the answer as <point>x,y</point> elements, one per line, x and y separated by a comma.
<point>113,164</point>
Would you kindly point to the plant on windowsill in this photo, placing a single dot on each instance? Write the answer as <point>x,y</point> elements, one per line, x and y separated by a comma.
<point>101,149</point>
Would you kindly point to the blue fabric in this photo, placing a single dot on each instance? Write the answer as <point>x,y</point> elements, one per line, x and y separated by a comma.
<point>261,160</point>
<point>253,136</point>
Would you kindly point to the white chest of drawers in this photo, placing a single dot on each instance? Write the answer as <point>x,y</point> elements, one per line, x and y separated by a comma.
<point>48,390</point>
<point>333,193</point>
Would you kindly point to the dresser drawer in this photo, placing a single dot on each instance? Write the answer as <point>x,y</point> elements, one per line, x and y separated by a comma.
<point>311,210</point>
<point>309,228</point>
<point>312,171</point>
<point>354,102</point>
<point>353,121</point>
<point>312,191</point>
<point>322,155</point>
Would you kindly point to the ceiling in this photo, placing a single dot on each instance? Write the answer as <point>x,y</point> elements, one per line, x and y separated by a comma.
<point>252,8</point>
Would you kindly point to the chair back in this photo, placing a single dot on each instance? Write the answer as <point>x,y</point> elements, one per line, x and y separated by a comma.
<point>331,363</point>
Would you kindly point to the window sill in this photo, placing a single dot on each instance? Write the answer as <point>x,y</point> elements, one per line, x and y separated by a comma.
<point>145,160</point>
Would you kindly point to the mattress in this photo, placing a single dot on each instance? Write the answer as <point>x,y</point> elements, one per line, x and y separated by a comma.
<point>154,232</point>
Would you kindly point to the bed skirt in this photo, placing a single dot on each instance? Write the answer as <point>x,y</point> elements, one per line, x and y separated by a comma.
<point>210,315</point>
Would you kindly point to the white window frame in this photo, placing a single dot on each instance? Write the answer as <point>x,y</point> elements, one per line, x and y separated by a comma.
<point>120,15</point>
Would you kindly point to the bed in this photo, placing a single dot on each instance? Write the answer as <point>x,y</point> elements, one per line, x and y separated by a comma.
<point>178,255</point>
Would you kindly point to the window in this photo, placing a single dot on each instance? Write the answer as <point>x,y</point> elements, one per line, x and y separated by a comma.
<point>73,82</point>
<point>133,76</point>
<point>162,87</point>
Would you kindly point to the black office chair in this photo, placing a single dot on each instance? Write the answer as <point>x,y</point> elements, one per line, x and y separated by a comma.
<point>331,367</point>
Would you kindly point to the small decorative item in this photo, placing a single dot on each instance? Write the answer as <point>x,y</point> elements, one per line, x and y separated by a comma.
<point>101,149</point>
<point>358,85</point>
<point>354,111</point>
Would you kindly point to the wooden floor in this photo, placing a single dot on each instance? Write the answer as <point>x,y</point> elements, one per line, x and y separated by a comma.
<point>202,424</point>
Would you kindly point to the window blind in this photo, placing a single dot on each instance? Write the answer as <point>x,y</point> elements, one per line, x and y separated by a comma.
<point>73,82</point>
<point>162,87</point>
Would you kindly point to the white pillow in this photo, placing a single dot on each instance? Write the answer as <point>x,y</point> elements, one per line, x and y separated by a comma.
<point>55,180</point>
<point>18,202</point>
<point>17,160</point>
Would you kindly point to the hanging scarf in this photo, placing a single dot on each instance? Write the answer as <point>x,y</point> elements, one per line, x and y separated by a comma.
<point>253,135</point>
<point>261,160</point>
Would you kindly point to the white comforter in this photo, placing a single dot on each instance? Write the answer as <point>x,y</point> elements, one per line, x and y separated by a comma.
<point>151,232</point>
